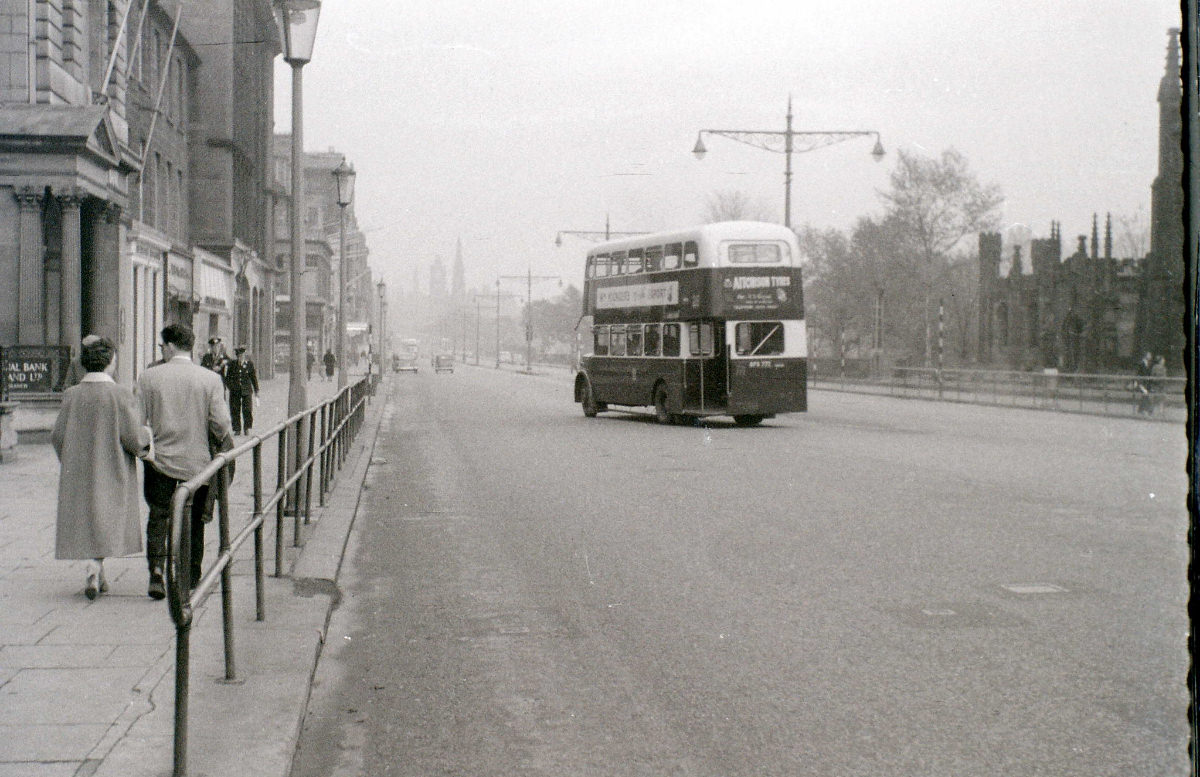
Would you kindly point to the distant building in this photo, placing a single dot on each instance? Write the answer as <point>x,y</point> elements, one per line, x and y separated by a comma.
<point>1092,312</point>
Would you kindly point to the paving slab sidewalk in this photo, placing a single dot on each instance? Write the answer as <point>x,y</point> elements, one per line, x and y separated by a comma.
<point>87,687</point>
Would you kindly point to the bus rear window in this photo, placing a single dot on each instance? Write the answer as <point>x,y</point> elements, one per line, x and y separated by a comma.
<point>755,253</point>
<point>759,338</point>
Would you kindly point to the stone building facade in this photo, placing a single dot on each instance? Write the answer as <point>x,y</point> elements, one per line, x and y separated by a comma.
<point>1090,311</point>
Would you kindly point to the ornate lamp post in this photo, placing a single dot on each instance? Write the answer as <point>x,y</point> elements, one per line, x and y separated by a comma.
<point>785,143</point>
<point>343,174</point>
<point>297,21</point>
<point>529,279</point>
<point>607,234</point>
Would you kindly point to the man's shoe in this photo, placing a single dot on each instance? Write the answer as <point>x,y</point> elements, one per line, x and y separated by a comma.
<point>157,589</point>
<point>103,583</point>
<point>92,589</point>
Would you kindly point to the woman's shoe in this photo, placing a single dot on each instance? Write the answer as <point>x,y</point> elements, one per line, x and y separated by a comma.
<point>103,583</point>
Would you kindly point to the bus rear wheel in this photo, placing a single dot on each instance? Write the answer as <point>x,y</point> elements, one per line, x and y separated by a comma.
<point>661,414</point>
<point>747,420</point>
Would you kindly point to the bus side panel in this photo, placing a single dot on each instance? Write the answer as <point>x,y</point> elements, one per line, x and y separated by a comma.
<point>765,386</point>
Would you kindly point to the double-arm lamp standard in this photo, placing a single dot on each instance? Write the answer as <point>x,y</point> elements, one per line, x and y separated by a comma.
<point>785,143</point>
<point>343,175</point>
<point>297,20</point>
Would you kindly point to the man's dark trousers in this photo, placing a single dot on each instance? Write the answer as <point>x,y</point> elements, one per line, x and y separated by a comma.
<point>158,490</point>
<point>241,411</point>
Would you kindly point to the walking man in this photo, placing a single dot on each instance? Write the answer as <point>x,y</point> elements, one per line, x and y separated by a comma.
<point>184,406</point>
<point>242,382</point>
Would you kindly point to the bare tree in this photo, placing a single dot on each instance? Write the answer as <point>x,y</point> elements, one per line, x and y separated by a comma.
<point>937,203</point>
<point>1132,235</point>
<point>732,205</point>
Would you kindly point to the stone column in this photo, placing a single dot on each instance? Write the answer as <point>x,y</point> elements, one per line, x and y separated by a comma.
<point>72,269</point>
<point>31,323</point>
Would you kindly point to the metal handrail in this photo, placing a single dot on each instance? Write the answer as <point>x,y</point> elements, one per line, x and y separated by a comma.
<point>342,418</point>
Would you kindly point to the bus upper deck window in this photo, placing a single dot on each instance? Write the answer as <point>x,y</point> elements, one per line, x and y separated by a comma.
<point>654,257</point>
<point>755,253</point>
<point>690,254</point>
<point>601,266</point>
<point>618,263</point>
<point>670,339</point>
<point>634,263</point>
<point>672,256</point>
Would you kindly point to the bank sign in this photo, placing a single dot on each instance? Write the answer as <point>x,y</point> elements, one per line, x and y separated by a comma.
<point>640,295</point>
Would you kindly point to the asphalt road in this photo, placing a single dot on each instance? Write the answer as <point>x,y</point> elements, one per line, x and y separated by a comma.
<point>876,587</point>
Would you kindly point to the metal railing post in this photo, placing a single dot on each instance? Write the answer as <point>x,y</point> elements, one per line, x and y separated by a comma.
<point>296,486</point>
<point>280,479</point>
<point>260,600</point>
<point>309,463</point>
<point>222,485</point>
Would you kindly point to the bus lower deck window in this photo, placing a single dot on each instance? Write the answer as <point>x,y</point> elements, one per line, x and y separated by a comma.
<point>651,340</point>
<point>616,344</point>
<point>600,335</point>
<point>670,340</point>
<point>700,339</point>
<point>633,340</point>
<point>759,338</point>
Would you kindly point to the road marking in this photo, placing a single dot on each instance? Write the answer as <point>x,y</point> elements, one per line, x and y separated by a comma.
<point>1034,588</point>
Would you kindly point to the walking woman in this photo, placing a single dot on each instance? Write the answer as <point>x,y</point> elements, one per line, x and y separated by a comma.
<point>97,438</point>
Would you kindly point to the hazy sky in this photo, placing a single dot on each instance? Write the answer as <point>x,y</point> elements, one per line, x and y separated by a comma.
<point>503,123</point>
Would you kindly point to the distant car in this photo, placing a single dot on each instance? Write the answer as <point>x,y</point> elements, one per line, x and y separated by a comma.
<point>443,362</point>
<point>404,362</point>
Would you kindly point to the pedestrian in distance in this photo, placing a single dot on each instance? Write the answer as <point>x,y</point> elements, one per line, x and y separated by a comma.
<point>1158,371</point>
<point>184,406</point>
<point>330,364</point>
<point>97,438</point>
<point>241,380</point>
<point>1141,386</point>
<point>216,359</point>
<point>309,360</point>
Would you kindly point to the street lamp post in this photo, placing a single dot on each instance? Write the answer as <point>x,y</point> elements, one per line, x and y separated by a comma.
<point>343,174</point>
<point>529,279</point>
<point>382,322</point>
<point>297,21</point>
<point>785,143</point>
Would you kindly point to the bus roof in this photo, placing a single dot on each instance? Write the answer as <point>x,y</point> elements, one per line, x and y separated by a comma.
<point>704,233</point>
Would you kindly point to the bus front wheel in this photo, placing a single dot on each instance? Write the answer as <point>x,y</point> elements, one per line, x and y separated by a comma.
<point>590,405</point>
<point>747,420</point>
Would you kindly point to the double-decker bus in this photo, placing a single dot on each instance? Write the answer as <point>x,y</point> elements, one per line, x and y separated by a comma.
<point>700,322</point>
